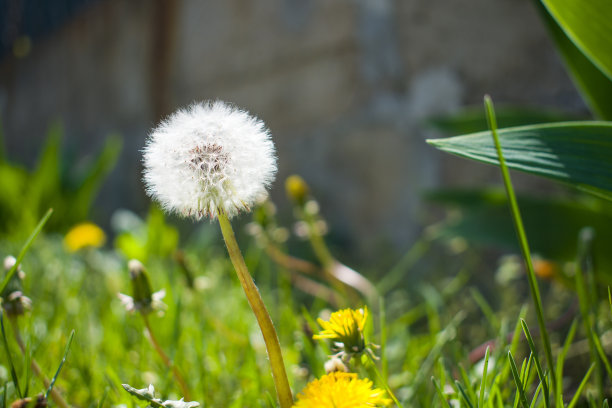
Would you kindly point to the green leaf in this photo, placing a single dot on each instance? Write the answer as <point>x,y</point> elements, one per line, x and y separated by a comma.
<point>59,369</point>
<point>594,85</point>
<point>587,24</point>
<point>576,153</point>
<point>24,249</point>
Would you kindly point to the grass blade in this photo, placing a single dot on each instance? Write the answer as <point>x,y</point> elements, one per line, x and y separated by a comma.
<point>10,359</point>
<point>25,248</point>
<point>536,395</point>
<point>520,230</point>
<point>439,392</point>
<point>103,399</point>
<point>483,383</point>
<point>464,394</point>
<point>61,364</point>
<point>468,384</point>
<point>581,387</point>
<point>601,352</point>
<point>537,362</point>
<point>28,366</point>
<point>560,362</point>
<point>517,381</point>
<point>485,308</point>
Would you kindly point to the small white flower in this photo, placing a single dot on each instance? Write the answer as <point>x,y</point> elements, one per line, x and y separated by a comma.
<point>155,303</point>
<point>209,158</point>
<point>127,302</point>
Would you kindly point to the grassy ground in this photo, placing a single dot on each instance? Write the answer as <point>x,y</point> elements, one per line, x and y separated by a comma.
<point>437,326</point>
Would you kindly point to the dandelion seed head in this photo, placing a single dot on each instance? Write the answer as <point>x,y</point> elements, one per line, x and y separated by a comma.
<point>208,158</point>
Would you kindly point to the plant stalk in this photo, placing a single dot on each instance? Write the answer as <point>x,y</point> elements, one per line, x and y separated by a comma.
<point>166,359</point>
<point>279,374</point>
<point>384,382</point>
<point>522,238</point>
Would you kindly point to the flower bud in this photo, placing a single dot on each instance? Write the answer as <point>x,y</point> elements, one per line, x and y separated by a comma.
<point>14,302</point>
<point>297,189</point>
<point>142,299</point>
<point>141,287</point>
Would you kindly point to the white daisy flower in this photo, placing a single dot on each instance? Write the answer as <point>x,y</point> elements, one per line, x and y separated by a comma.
<point>209,158</point>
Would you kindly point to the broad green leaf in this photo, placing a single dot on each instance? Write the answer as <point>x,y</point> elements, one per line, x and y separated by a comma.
<point>593,84</point>
<point>587,24</point>
<point>575,153</point>
<point>473,119</point>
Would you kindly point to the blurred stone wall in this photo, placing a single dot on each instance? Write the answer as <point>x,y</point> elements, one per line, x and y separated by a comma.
<point>343,85</point>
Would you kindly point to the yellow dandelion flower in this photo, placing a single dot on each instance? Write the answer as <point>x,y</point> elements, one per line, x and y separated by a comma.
<point>84,235</point>
<point>341,390</point>
<point>345,326</point>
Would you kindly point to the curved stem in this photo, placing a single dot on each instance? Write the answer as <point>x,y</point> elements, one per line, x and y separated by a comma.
<point>166,359</point>
<point>55,395</point>
<point>381,379</point>
<point>261,314</point>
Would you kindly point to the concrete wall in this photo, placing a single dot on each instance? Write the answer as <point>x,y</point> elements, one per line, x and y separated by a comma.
<point>344,86</point>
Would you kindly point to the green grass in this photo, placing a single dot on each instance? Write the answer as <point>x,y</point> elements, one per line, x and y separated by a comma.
<point>453,338</point>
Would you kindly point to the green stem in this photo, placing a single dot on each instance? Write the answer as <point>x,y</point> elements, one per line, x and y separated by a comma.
<point>261,314</point>
<point>166,359</point>
<point>382,380</point>
<point>520,230</point>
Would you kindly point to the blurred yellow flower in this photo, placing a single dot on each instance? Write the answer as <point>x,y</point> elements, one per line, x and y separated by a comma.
<point>296,188</point>
<point>341,390</point>
<point>345,326</point>
<point>83,235</point>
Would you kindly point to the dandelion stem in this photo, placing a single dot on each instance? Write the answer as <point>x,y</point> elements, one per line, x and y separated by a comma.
<point>55,395</point>
<point>166,359</point>
<point>382,380</point>
<point>261,314</point>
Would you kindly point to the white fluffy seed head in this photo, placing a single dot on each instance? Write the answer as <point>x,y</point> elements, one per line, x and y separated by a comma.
<point>209,158</point>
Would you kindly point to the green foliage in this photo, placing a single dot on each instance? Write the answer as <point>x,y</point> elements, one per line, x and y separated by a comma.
<point>595,86</point>
<point>141,240</point>
<point>484,221</point>
<point>430,329</point>
<point>575,153</point>
<point>587,24</point>
<point>52,183</point>
<point>440,328</point>
<point>24,249</point>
